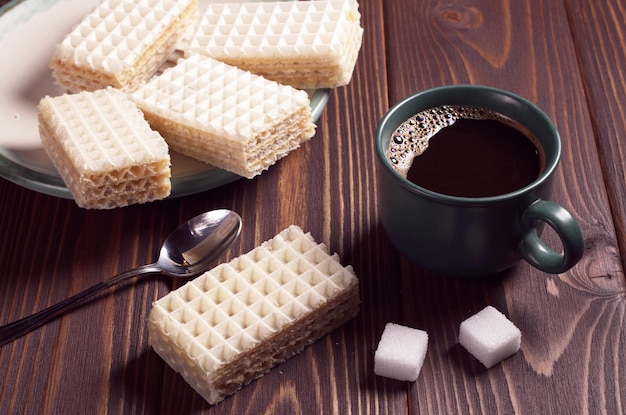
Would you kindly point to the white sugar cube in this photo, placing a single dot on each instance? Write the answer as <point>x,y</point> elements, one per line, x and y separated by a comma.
<point>401,352</point>
<point>489,336</point>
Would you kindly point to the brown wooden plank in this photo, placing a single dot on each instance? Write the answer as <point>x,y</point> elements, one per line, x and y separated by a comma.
<point>599,34</point>
<point>89,350</point>
<point>565,320</point>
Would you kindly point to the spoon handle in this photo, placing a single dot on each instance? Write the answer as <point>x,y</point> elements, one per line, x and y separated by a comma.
<point>18,328</point>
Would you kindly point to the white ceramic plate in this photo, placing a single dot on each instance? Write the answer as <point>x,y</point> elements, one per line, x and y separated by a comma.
<point>29,30</point>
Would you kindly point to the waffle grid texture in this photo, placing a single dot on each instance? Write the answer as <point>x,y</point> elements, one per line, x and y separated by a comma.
<point>104,149</point>
<point>306,44</point>
<point>234,323</point>
<point>121,43</point>
<point>225,116</point>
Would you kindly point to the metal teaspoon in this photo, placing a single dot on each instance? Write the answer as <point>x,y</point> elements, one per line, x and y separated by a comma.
<point>187,252</point>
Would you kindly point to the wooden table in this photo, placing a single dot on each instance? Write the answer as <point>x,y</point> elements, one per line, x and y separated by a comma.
<point>566,56</point>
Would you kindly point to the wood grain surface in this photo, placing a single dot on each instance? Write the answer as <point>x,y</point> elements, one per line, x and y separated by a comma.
<point>566,56</point>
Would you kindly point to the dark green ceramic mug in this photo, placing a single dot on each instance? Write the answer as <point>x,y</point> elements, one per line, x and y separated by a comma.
<point>473,236</point>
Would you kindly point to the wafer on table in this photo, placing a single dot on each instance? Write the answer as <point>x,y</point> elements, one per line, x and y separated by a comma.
<point>235,322</point>
<point>225,116</point>
<point>306,44</point>
<point>121,43</point>
<point>104,149</point>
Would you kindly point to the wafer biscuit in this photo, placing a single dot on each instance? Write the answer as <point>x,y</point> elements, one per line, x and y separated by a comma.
<point>104,150</point>
<point>234,323</point>
<point>121,43</point>
<point>224,116</point>
<point>306,44</point>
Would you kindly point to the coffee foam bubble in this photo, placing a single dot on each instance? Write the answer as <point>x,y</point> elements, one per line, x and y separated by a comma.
<point>411,138</point>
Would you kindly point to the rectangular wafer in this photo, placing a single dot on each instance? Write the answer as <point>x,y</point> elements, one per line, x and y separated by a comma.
<point>225,116</point>
<point>306,44</point>
<point>104,149</point>
<point>121,43</point>
<point>238,320</point>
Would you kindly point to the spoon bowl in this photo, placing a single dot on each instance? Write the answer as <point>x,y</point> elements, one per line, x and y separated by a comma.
<point>194,245</point>
<point>186,252</point>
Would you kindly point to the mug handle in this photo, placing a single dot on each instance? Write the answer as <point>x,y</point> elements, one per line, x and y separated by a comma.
<point>536,252</point>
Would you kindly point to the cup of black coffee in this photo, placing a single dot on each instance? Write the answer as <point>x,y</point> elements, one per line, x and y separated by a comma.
<point>465,180</point>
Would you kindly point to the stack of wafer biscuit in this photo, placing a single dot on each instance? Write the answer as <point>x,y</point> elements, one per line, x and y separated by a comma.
<point>210,108</point>
<point>104,149</point>
<point>225,116</point>
<point>121,43</point>
<point>234,323</point>
<point>306,44</point>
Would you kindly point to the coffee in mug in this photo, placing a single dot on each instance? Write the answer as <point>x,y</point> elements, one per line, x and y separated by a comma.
<point>465,151</point>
